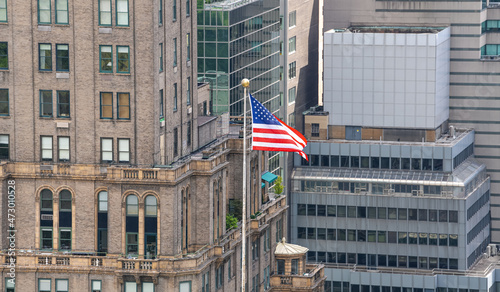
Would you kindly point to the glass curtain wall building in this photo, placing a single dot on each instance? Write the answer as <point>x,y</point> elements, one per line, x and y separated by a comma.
<point>236,40</point>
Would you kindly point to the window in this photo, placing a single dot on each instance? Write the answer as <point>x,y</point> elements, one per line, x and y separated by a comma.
<point>45,55</point>
<point>3,14</point>
<point>46,103</point>
<point>188,8</point>
<point>279,230</point>
<point>188,45</point>
<point>102,222</point>
<point>205,282</point>
<point>122,59</point>
<point>186,286</point>
<point>96,286</point>
<point>174,10</point>
<point>4,102</point>
<point>130,286</point>
<point>315,130</point>
<point>176,142</point>
<point>10,284</point>
<point>291,94</point>
<point>229,268</point>
<point>161,103</point>
<point>122,12</point>
<point>161,57</point>
<point>280,267</point>
<point>160,12</point>
<point>123,106</point>
<point>255,249</point>
<point>46,239</point>
<point>46,148</point>
<point>292,70</point>
<point>62,104</point>
<point>4,146</point>
<point>63,148</point>
<point>106,105</point>
<point>148,287</point>
<point>175,97</point>
<point>188,102</point>
<point>292,19</point>
<point>132,212</point>
<point>44,285</point>
<point>65,239</point>
<point>62,12</point>
<point>291,120</point>
<point>62,57</point>
<point>106,150</point>
<point>4,56</point>
<point>123,150</point>
<point>189,133</point>
<point>106,59</point>
<point>105,12</point>
<point>291,44</point>
<point>219,277</point>
<point>175,52</point>
<point>44,16</point>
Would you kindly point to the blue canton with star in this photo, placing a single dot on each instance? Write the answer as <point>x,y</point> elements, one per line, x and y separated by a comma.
<point>261,115</point>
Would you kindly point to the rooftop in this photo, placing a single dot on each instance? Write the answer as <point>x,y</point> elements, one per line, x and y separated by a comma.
<point>392,29</point>
<point>283,248</point>
<point>225,4</point>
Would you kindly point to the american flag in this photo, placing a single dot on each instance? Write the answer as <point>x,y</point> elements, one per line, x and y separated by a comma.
<point>271,134</point>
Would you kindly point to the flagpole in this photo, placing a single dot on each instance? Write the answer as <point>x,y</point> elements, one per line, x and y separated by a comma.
<point>245,83</point>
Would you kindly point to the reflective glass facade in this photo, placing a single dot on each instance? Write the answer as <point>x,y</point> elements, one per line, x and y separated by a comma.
<point>236,41</point>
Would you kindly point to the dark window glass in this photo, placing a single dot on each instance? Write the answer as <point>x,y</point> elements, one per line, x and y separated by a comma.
<point>331,211</point>
<point>438,164</point>
<point>331,234</point>
<point>325,160</point>
<point>392,213</point>
<point>405,163</point>
<point>443,239</point>
<point>362,259</point>
<point>384,163</point>
<point>394,163</point>
<point>426,164</point>
<point>392,236</point>
<point>321,210</point>
<point>402,214</point>
<point>314,160</point>
<point>351,258</point>
<point>372,212</point>
<point>344,161</point>
<point>321,233</point>
<point>402,261</point>
<point>301,232</point>
<point>365,162</point>
<point>433,238</point>
<point>382,213</point>
<point>341,258</point>
<point>341,211</point>
<point>311,233</point>
<point>433,215</point>
<point>362,235</point>
<point>361,212</point>
<point>375,162</point>
<point>415,164</point>
<point>354,161</point>
<point>301,209</point>
<point>412,214</point>
<point>341,234</point>
<point>422,214</point>
<point>402,237</point>
<point>443,215</point>
<point>453,216</point>
<point>351,211</point>
<point>382,260</point>
<point>393,262</point>
<point>311,210</point>
<point>334,161</point>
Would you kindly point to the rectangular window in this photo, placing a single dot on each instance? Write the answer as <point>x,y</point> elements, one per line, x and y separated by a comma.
<point>123,150</point>
<point>175,52</point>
<point>106,59</point>
<point>106,105</point>
<point>4,56</point>
<point>188,93</point>
<point>4,102</point>
<point>161,103</point>
<point>105,12</point>
<point>185,286</point>
<point>188,8</point>
<point>65,239</point>
<point>122,59</point>
<point>174,10</point>
<point>45,55</point>
<point>315,130</point>
<point>63,148</point>
<point>62,12</point>
<point>176,138</point>
<point>122,12</point>
<point>46,240</point>
<point>10,284</point>
<point>291,44</point>
<point>46,148</point>
<point>106,150</point>
<point>130,286</point>
<point>291,120</point>
<point>161,57</point>
<point>148,287</point>
<point>3,10</point>
<point>44,8</point>
<point>123,105</point>
<point>62,57</point>
<point>44,285</point>
<point>175,97</point>
<point>4,146</point>
<point>160,12</point>
<point>188,46</point>
<point>292,70</point>
<point>292,19</point>
<point>189,133</point>
<point>96,286</point>
<point>62,104</point>
<point>291,94</point>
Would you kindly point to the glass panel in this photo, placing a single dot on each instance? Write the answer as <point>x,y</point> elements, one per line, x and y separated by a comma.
<point>130,287</point>
<point>44,284</point>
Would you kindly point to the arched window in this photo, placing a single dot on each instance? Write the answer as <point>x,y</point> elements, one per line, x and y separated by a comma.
<point>132,225</point>
<point>65,220</point>
<point>46,219</point>
<point>102,222</point>
<point>150,226</point>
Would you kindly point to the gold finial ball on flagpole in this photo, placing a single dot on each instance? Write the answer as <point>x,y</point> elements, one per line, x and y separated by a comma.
<point>245,82</point>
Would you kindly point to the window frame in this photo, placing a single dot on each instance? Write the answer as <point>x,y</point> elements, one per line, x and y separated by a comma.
<point>101,106</point>
<point>292,70</point>
<point>174,10</point>
<point>142,286</point>
<point>102,152</point>
<point>42,228</point>
<point>294,14</point>
<point>8,284</point>
<point>294,41</point>
<point>184,282</point>
<point>58,10</point>
<point>127,12</point>
<point>188,47</point>
<point>101,70</point>
<point>92,285</point>
<point>59,149</point>
<point>161,58</point>
<point>59,104</point>
<point>175,97</point>
<point>119,106</point>
<point>118,59</point>
<point>50,12</point>
<point>160,13</point>
<point>61,58</point>
<point>176,142</point>
<point>110,13</point>
<point>294,94</point>
<point>188,8</point>
<point>44,279</point>
<point>47,149</point>
<point>6,92</point>
<point>175,53</point>
<point>162,111</point>
<point>4,2</point>
<point>8,146</point>
<point>65,229</point>
<point>5,56</point>
<point>188,91</point>
<point>45,57</point>
<point>42,103</point>
<point>122,151</point>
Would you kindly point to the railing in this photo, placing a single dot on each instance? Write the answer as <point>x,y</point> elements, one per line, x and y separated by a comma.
<point>313,277</point>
